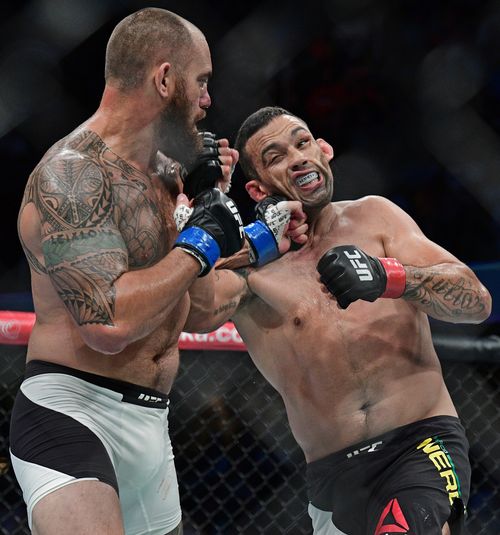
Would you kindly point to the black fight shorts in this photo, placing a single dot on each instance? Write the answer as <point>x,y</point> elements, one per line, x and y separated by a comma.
<point>409,481</point>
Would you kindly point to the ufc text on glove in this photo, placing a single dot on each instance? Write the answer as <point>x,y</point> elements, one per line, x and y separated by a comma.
<point>350,274</point>
<point>213,229</point>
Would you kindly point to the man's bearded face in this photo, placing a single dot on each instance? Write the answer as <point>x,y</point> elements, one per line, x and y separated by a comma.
<point>179,137</point>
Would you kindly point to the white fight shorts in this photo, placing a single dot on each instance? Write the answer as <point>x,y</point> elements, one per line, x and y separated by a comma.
<point>69,426</point>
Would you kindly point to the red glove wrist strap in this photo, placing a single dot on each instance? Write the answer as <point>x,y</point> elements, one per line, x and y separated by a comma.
<point>396,278</point>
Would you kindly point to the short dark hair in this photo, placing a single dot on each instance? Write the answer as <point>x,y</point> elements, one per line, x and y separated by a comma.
<point>251,125</point>
<point>141,39</point>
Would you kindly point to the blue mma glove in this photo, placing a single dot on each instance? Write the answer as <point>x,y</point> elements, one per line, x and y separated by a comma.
<point>213,228</point>
<point>266,232</point>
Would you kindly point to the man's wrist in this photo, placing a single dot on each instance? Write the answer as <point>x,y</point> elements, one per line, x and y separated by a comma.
<point>262,242</point>
<point>396,278</point>
<point>196,256</point>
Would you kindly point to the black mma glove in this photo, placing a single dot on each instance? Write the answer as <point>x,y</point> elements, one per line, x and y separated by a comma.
<point>213,229</point>
<point>350,274</point>
<point>207,169</point>
<point>266,232</point>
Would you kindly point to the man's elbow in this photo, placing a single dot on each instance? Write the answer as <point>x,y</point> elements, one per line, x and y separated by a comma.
<point>201,323</point>
<point>485,298</point>
<point>106,339</point>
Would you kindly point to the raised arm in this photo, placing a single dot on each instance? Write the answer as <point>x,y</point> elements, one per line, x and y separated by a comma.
<point>221,294</point>
<point>86,257</point>
<point>412,268</point>
<point>436,281</point>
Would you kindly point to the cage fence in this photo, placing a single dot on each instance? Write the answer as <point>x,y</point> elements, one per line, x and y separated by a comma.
<point>239,468</point>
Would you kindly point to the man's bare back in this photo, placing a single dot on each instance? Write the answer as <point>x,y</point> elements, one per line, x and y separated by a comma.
<point>125,219</point>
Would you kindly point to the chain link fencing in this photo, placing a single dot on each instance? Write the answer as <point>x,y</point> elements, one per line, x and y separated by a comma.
<point>239,468</point>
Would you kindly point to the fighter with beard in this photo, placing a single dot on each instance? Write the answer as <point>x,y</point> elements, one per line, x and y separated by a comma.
<point>352,357</point>
<point>110,277</point>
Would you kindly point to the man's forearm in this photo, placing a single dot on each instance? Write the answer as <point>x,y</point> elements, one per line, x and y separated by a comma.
<point>214,300</point>
<point>239,260</point>
<point>447,292</point>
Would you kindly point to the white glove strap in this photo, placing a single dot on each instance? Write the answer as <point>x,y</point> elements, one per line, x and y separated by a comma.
<point>277,217</point>
<point>181,215</point>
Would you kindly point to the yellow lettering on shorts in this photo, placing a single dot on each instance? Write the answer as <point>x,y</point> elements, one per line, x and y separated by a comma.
<point>441,460</point>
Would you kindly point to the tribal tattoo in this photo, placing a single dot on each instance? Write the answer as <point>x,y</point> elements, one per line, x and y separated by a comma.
<point>445,298</point>
<point>99,219</point>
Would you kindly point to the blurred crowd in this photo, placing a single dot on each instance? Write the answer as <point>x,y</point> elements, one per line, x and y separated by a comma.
<point>408,94</point>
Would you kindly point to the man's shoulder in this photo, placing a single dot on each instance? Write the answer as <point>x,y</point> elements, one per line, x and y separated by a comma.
<point>80,148</point>
<point>363,204</point>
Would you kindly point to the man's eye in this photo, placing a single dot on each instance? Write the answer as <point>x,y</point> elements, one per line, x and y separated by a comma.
<point>203,83</point>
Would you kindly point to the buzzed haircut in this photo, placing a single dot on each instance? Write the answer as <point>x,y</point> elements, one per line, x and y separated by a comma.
<point>251,125</point>
<point>146,37</point>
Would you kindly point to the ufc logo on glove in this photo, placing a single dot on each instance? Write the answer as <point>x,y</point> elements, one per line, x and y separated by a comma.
<point>351,274</point>
<point>234,210</point>
<point>360,267</point>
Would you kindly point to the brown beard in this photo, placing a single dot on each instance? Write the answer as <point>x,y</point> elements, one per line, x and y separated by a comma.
<point>178,139</point>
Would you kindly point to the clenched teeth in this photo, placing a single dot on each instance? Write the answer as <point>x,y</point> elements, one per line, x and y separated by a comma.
<point>306,179</point>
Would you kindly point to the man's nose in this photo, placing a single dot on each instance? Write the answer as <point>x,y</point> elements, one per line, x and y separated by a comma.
<point>297,158</point>
<point>205,100</point>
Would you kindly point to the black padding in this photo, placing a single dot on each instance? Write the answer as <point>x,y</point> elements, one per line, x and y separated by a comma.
<point>57,441</point>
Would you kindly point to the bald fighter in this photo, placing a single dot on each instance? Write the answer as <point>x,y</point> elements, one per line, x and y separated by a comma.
<point>110,277</point>
<point>340,328</point>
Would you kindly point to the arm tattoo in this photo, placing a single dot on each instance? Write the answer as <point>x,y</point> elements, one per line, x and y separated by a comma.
<point>240,296</point>
<point>84,251</point>
<point>440,296</point>
<point>225,307</point>
<point>247,293</point>
<point>37,266</point>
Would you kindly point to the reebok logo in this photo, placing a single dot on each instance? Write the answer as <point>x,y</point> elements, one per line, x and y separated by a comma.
<point>361,268</point>
<point>392,520</point>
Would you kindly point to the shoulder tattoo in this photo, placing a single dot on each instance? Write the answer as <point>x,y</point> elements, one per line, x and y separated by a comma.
<point>84,251</point>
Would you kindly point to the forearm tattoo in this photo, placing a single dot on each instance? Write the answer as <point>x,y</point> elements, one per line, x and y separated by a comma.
<point>241,294</point>
<point>441,296</point>
<point>231,305</point>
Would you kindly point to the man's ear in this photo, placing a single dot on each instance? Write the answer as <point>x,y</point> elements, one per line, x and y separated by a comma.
<point>163,80</point>
<point>325,147</point>
<point>256,190</point>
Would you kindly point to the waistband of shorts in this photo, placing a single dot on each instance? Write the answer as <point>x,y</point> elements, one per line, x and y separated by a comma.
<point>418,429</point>
<point>132,393</point>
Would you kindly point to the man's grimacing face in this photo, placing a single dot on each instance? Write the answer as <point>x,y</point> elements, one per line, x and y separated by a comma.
<point>288,160</point>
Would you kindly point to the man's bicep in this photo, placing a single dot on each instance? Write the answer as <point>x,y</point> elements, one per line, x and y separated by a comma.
<point>84,278</point>
<point>405,241</point>
<point>84,252</point>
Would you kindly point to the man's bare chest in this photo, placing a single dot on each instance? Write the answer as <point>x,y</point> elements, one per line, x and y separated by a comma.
<point>144,214</point>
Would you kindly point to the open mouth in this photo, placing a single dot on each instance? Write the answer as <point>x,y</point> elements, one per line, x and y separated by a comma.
<point>308,181</point>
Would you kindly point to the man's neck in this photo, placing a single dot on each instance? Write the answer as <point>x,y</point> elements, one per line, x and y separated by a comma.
<point>123,123</point>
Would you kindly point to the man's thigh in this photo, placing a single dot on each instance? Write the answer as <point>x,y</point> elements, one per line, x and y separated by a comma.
<point>81,508</point>
<point>419,511</point>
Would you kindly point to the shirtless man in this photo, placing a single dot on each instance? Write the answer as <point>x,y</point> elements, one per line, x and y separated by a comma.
<point>358,373</point>
<point>89,432</point>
